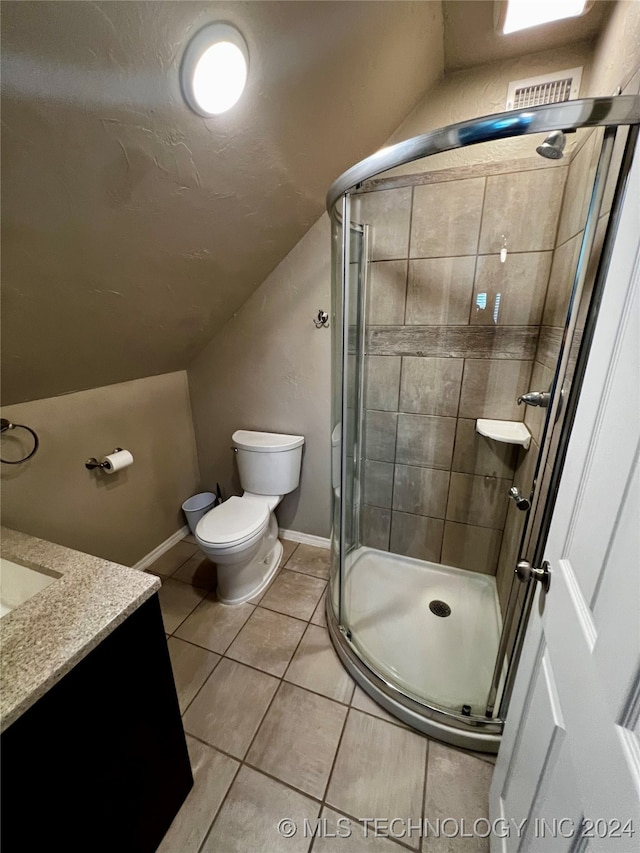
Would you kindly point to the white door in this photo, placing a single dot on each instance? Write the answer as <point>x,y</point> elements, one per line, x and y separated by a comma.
<point>569,763</point>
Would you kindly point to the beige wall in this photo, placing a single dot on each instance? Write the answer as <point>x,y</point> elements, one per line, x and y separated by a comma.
<point>122,516</point>
<point>269,369</point>
<point>480,91</point>
<point>617,51</point>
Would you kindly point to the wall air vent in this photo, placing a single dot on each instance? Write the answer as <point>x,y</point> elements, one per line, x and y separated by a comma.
<point>546,89</point>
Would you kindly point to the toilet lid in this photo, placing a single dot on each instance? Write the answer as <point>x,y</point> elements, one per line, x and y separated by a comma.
<point>233,521</point>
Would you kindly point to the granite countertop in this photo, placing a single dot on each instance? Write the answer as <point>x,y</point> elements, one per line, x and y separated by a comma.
<point>44,638</point>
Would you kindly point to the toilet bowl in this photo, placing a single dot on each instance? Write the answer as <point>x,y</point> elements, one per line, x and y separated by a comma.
<point>241,534</point>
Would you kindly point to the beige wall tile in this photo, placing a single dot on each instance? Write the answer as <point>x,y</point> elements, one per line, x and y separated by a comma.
<point>267,641</point>
<point>376,527</point>
<point>425,440</point>
<point>580,177</point>
<point>534,417</point>
<point>380,435</point>
<point>213,773</point>
<point>508,342</point>
<point>298,739</point>
<point>422,491</point>
<point>491,387</point>
<point>388,213</point>
<point>525,469</point>
<point>507,211</point>
<point>439,291</point>
<point>248,820</point>
<point>431,386</point>
<point>372,753</point>
<point>228,710</point>
<point>510,293</point>
<point>473,548</point>
<point>482,501</point>
<point>416,536</point>
<point>563,270</point>
<point>317,667</point>
<point>378,483</point>
<point>382,382</point>
<point>476,454</point>
<point>446,218</point>
<point>387,288</point>
<point>191,667</point>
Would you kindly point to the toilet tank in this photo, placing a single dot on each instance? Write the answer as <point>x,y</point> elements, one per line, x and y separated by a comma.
<point>268,462</point>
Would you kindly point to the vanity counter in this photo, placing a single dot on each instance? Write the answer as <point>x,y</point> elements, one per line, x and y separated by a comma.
<point>44,638</point>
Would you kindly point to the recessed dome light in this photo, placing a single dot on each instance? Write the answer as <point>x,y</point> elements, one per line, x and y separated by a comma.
<point>214,69</point>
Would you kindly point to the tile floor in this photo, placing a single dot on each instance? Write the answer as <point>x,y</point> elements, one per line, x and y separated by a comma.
<point>277,729</point>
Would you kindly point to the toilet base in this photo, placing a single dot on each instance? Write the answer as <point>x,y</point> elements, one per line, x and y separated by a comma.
<point>238,583</point>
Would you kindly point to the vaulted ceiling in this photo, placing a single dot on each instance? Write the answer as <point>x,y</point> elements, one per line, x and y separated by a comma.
<point>132,228</point>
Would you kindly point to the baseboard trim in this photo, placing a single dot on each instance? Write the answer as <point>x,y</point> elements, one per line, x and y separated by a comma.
<point>152,556</point>
<point>305,538</point>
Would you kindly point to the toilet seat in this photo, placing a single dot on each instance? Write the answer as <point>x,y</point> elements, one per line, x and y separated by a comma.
<point>233,522</point>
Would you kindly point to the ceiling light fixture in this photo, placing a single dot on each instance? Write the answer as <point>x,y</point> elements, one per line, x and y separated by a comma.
<point>522,14</point>
<point>214,69</point>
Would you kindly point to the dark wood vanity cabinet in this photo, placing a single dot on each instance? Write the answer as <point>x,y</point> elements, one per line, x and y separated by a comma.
<point>100,762</point>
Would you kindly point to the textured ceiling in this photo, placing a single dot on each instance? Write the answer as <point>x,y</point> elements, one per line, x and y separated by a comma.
<point>132,228</point>
<point>471,37</point>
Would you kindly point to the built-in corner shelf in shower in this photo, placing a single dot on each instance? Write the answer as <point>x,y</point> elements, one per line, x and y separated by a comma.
<point>509,432</point>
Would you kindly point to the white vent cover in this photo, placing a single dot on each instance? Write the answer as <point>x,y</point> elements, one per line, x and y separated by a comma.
<point>546,89</point>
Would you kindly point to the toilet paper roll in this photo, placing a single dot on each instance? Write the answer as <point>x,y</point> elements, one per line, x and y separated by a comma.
<point>117,461</point>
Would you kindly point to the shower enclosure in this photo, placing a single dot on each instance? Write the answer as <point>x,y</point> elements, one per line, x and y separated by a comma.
<point>467,273</point>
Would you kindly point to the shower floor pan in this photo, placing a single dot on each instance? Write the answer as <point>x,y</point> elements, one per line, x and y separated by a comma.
<point>441,661</point>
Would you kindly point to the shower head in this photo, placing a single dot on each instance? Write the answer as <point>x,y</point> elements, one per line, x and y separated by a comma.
<point>553,146</point>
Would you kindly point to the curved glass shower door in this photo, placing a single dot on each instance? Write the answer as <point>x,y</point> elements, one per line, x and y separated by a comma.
<point>460,287</point>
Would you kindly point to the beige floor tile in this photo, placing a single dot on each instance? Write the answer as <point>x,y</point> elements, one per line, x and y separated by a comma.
<point>360,839</point>
<point>215,625</point>
<point>199,571</point>
<point>288,548</point>
<point>457,784</point>
<point>213,773</point>
<point>190,538</point>
<point>319,614</point>
<point>173,558</point>
<point>248,820</point>
<point>191,667</point>
<point>177,600</point>
<point>298,739</point>
<point>379,770</point>
<point>316,666</point>
<point>228,710</point>
<point>267,641</point>
<point>310,561</point>
<point>294,594</point>
<point>362,702</point>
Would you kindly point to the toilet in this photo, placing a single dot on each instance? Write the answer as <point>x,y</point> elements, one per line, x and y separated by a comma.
<point>241,535</point>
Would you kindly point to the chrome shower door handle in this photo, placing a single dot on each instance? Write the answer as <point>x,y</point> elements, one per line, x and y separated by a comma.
<point>526,572</point>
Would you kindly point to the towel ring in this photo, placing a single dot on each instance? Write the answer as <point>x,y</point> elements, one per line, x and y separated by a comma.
<point>4,426</point>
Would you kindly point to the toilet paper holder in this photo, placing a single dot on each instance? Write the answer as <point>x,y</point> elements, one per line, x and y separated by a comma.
<point>93,462</point>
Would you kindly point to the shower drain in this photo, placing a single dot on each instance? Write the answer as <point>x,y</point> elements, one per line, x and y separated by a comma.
<point>440,608</point>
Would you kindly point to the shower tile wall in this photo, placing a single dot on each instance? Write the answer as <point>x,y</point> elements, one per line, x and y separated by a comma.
<point>451,337</point>
<point>570,231</point>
